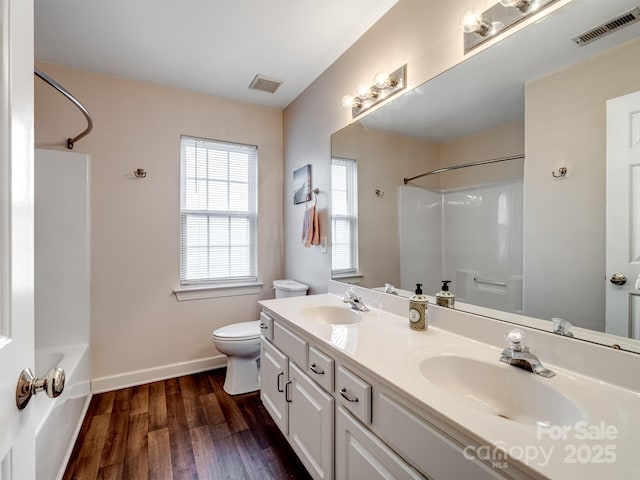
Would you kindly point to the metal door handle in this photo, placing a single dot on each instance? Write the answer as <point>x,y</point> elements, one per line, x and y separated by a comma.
<point>287,396</point>
<point>29,385</point>
<point>280,375</point>
<point>343,392</point>
<point>315,369</point>
<point>618,279</point>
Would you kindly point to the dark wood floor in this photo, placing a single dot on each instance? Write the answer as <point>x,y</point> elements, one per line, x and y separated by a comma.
<point>185,427</point>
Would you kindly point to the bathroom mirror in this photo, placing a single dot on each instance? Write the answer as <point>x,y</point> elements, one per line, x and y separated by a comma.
<point>520,241</point>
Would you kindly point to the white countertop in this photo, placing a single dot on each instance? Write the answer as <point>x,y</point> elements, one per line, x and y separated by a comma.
<point>384,344</point>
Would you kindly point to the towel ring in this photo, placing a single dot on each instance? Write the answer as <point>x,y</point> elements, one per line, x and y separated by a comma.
<point>315,192</point>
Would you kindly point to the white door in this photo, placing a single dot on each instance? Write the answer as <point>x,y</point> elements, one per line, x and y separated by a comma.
<point>360,454</point>
<point>274,374</point>
<point>311,424</point>
<point>623,215</point>
<point>17,446</point>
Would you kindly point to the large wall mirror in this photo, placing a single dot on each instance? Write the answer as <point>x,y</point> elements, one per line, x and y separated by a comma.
<point>520,241</point>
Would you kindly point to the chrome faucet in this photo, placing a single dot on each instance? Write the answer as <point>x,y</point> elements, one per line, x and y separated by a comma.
<point>354,301</point>
<point>562,327</point>
<point>519,355</point>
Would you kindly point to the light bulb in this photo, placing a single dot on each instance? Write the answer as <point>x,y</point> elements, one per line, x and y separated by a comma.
<point>381,80</point>
<point>470,20</point>
<point>521,5</point>
<point>364,91</point>
<point>348,101</point>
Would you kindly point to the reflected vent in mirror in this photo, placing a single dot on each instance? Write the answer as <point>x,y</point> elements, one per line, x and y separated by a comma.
<point>608,27</point>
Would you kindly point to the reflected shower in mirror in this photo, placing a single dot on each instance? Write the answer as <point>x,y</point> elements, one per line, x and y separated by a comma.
<point>518,242</point>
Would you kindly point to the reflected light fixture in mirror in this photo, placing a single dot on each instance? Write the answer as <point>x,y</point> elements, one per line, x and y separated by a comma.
<point>384,86</point>
<point>480,26</point>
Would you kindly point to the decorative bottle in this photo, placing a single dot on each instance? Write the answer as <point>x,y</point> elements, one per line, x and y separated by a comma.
<point>418,310</point>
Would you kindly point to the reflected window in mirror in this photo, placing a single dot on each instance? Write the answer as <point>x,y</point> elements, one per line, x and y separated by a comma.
<point>344,216</point>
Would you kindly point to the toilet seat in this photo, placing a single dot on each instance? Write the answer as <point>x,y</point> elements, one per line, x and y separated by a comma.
<point>238,332</point>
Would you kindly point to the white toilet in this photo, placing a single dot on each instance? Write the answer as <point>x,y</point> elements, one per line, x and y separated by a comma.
<point>240,342</point>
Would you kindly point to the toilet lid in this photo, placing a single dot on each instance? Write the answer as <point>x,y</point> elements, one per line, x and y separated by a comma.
<point>238,331</point>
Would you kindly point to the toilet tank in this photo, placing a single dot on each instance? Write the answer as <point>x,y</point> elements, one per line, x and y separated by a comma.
<point>289,288</point>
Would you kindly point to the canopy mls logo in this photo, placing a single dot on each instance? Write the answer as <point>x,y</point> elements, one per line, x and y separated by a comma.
<point>580,443</point>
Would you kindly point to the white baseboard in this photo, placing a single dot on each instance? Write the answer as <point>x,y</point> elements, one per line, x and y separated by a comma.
<point>139,377</point>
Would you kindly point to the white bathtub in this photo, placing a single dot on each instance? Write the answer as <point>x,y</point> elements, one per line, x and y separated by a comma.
<point>59,420</point>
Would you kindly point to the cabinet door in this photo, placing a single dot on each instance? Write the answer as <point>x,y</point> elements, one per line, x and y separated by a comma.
<point>311,424</point>
<point>360,454</point>
<point>273,378</point>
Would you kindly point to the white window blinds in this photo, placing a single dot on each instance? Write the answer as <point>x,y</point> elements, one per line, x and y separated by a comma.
<point>344,216</point>
<point>218,212</point>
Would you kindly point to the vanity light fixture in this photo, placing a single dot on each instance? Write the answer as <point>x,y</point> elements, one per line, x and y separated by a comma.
<point>521,5</point>
<point>384,85</point>
<point>480,26</point>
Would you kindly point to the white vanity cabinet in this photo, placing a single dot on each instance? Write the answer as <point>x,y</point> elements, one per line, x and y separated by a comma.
<point>330,408</point>
<point>302,410</point>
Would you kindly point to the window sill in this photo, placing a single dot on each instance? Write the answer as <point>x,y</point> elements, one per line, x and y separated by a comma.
<point>352,278</point>
<point>199,292</point>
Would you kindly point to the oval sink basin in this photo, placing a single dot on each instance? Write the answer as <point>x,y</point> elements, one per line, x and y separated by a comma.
<point>332,315</point>
<point>501,390</point>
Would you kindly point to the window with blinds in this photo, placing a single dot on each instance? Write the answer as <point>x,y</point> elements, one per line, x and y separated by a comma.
<point>218,212</point>
<point>344,216</point>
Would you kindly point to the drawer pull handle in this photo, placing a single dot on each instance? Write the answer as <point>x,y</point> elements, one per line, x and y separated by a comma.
<point>343,392</point>
<point>280,375</point>
<point>263,326</point>
<point>313,367</point>
<point>287,395</point>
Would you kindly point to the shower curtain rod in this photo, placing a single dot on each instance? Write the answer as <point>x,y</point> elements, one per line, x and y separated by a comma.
<point>464,165</point>
<point>74,100</point>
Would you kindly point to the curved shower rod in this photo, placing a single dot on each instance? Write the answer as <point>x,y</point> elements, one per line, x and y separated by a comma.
<point>72,99</point>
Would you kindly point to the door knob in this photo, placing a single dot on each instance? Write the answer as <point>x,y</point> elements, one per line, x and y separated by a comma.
<point>29,385</point>
<point>618,279</point>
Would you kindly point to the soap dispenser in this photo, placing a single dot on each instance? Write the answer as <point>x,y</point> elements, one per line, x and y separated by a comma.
<point>418,310</point>
<point>444,297</point>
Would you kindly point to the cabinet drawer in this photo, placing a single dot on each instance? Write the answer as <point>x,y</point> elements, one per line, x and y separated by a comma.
<point>354,394</point>
<point>320,368</point>
<point>291,344</point>
<point>430,451</point>
<point>266,325</point>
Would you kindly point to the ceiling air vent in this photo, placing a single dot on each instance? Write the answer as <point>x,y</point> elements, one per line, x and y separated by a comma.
<point>608,27</point>
<point>266,84</point>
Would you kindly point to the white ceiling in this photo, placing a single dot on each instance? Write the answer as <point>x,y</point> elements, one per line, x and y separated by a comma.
<point>209,46</point>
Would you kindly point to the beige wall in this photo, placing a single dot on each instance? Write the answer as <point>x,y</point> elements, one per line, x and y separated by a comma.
<point>426,35</point>
<point>565,220</point>
<point>136,322</point>
<point>499,142</point>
